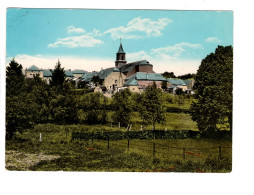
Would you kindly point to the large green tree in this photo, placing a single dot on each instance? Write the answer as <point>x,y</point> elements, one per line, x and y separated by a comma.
<point>58,75</point>
<point>151,105</point>
<point>14,78</point>
<point>214,86</point>
<point>122,105</point>
<point>19,105</point>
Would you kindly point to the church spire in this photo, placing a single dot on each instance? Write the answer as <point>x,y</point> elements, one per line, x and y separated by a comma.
<point>120,56</point>
<point>121,47</point>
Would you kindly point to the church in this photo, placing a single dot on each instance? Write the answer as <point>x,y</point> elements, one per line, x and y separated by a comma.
<point>135,75</point>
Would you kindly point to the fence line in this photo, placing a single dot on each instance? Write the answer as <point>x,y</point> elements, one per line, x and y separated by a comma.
<point>154,149</point>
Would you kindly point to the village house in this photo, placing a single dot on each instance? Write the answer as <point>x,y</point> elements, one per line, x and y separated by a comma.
<point>33,71</point>
<point>140,81</point>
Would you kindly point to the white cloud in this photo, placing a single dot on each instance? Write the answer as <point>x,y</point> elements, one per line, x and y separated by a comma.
<point>73,29</point>
<point>136,56</point>
<point>213,40</point>
<point>174,51</point>
<point>76,41</point>
<point>138,27</point>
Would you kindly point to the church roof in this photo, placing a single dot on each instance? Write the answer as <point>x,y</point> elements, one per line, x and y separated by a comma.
<point>120,50</point>
<point>129,66</point>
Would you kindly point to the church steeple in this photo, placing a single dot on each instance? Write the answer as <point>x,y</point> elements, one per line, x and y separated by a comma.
<point>120,56</point>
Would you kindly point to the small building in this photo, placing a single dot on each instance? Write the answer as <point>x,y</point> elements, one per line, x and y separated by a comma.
<point>189,83</point>
<point>140,81</point>
<point>174,84</point>
<point>33,71</point>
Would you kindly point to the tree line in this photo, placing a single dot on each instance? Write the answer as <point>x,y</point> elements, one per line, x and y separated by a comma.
<point>31,101</point>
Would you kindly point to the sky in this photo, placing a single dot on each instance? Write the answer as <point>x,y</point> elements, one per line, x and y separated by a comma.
<point>88,39</point>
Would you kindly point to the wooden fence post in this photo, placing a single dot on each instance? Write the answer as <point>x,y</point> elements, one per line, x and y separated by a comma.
<point>153,149</point>
<point>184,154</point>
<point>128,145</point>
<point>219,152</point>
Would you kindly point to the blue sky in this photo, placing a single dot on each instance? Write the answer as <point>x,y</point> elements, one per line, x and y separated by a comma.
<point>174,41</point>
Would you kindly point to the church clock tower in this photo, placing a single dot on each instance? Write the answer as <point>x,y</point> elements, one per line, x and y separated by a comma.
<point>120,57</point>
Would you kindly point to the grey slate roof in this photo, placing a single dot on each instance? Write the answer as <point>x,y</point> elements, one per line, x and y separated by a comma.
<point>33,68</point>
<point>148,76</point>
<point>87,77</point>
<point>47,73</point>
<point>176,82</point>
<point>105,72</point>
<point>77,71</point>
<point>186,81</point>
<point>68,73</point>
<point>132,80</point>
<point>129,66</point>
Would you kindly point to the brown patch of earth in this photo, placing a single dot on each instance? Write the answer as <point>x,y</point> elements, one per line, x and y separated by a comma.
<point>20,161</point>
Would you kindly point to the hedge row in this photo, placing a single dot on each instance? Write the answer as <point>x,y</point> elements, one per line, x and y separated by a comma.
<point>147,134</point>
<point>177,110</point>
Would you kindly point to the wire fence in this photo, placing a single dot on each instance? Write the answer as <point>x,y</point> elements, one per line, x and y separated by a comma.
<point>155,149</point>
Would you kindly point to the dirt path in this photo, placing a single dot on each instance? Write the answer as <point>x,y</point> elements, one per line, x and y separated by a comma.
<point>20,161</point>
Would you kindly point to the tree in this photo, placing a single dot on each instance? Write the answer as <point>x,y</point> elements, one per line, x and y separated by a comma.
<point>168,75</point>
<point>151,107</point>
<point>41,94</point>
<point>19,105</point>
<point>94,107</point>
<point>14,78</point>
<point>122,105</point>
<point>58,76</point>
<point>186,76</point>
<point>213,86</point>
<point>164,84</point>
<point>179,91</point>
<point>64,106</point>
<point>96,80</point>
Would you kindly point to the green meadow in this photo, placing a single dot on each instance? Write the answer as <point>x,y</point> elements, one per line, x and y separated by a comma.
<point>56,150</point>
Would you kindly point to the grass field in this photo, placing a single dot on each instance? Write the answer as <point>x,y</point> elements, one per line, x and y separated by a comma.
<point>57,152</point>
